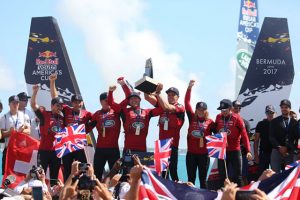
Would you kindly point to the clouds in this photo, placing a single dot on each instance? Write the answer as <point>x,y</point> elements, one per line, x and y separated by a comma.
<point>118,40</point>
<point>8,82</point>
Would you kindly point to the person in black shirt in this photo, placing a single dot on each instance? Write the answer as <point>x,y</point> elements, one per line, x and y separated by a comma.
<point>262,141</point>
<point>283,137</point>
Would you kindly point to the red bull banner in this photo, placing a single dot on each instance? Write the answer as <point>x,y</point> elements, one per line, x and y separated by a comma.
<point>248,31</point>
<point>47,54</point>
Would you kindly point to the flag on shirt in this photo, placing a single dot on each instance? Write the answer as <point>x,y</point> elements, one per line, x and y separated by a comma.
<point>162,154</point>
<point>216,145</point>
<point>154,187</point>
<point>70,139</point>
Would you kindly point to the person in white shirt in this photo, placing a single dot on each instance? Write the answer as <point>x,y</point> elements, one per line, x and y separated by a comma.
<point>29,115</point>
<point>12,121</point>
<point>35,178</point>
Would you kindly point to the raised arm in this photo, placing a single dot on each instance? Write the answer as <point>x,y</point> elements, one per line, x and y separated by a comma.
<point>125,87</point>
<point>151,99</point>
<point>33,102</point>
<point>53,90</point>
<point>187,100</point>
<point>110,99</point>
<point>163,103</point>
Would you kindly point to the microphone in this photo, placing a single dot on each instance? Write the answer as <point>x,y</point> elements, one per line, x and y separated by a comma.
<point>9,180</point>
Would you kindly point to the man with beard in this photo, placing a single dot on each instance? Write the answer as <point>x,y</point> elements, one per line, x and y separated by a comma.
<point>72,115</point>
<point>284,134</point>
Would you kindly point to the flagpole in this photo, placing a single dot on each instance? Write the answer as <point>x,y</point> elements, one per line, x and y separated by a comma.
<point>225,168</point>
<point>167,171</point>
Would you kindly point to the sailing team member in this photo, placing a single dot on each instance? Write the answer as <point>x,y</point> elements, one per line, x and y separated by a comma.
<point>135,120</point>
<point>170,123</point>
<point>262,141</point>
<point>50,123</point>
<point>200,125</point>
<point>283,135</point>
<point>72,115</point>
<point>233,125</point>
<point>13,120</point>
<point>237,107</point>
<point>108,124</point>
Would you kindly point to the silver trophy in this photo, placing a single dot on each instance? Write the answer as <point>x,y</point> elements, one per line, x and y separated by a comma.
<point>147,84</point>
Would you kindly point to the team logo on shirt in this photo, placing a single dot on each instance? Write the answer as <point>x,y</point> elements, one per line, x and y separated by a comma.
<point>55,129</point>
<point>228,132</point>
<point>163,119</point>
<point>136,124</point>
<point>198,134</point>
<point>109,123</point>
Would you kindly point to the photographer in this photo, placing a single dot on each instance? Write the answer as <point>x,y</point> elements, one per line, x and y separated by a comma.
<point>82,184</point>
<point>35,177</point>
<point>128,183</point>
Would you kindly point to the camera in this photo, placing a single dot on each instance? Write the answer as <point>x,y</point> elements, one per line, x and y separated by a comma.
<point>244,194</point>
<point>86,182</point>
<point>35,171</point>
<point>127,163</point>
<point>83,166</point>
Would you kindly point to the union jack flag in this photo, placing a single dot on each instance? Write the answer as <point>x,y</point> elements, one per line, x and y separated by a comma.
<point>154,187</point>
<point>70,139</point>
<point>296,163</point>
<point>162,153</point>
<point>216,145</point>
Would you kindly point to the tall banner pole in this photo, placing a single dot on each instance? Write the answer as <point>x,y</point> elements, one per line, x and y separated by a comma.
<point>248,31</point>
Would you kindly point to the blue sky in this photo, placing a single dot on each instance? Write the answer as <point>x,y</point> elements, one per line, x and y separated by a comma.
<point>108,39</point>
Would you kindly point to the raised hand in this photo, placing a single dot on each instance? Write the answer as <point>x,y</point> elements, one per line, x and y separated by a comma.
<point>35,88</point>
<point>112,88</point>
<point>53,77</point>
<point>191,83</point>
<point>159,88</point>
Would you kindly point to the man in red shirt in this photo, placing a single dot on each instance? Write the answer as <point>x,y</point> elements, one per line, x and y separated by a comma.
<point>233,125</point>
<point>135,120</point>
<point>170,122</point>
<point>108,124</point>
<point>50,123</point>
<point>72,115</point>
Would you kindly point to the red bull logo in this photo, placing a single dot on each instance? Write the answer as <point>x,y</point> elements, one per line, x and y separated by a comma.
<point>246,11</point>
<point>249,4</point>
<point>47,54</point>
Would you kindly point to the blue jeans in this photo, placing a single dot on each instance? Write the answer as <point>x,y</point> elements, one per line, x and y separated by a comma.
<point>277,160</point>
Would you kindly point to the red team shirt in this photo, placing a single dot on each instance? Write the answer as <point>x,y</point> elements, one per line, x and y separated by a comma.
<point>110,121</point>
<point>198,128</point>
<point>175,121</point>
<point>83,117</point>
<point>237,130</point>
<point>134,118</point>
<point>49,124</point>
